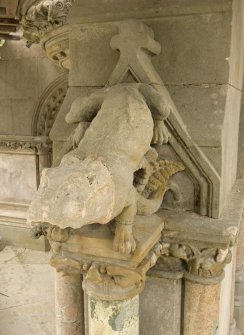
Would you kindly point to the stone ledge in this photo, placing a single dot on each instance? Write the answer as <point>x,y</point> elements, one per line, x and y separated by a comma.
<point>17,234</point>
<point>189,227</point>
<point>88,11</point>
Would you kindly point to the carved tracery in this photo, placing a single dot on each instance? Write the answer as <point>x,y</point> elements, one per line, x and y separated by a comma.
<point>49,106</point>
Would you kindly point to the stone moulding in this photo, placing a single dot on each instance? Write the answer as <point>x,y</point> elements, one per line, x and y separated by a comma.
<point>136,44</point>
<point>39,144</point>
<point>48,106</point>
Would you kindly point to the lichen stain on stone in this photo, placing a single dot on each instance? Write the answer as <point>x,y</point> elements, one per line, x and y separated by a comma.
<point>116,319</point>
<point>93,308</point>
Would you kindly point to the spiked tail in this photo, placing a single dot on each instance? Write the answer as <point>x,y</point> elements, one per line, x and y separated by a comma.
<point>152,197</point>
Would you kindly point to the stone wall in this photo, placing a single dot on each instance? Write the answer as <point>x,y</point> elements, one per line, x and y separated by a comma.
<point>25,74</point>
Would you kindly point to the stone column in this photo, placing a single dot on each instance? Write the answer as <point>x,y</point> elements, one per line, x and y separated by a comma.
<point>113,317</point>
<point>113,296</point>
<point>203,275</point>
<point>112,281</point>
<point>239,280</point>
<point>69,304</point>
<point>160,301</point>
<point>201,308</point>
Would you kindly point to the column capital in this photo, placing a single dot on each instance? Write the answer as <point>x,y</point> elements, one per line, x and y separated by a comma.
<point>107,274</point>
<point>45,22</point>
<point>203,265</point>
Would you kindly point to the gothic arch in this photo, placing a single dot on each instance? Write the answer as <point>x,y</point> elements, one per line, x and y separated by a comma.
<point>48,106</point>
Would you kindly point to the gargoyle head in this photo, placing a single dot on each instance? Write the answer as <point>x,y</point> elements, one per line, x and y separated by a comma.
<point>73,195</point>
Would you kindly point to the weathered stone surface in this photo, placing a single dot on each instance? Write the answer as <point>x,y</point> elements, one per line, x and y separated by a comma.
<point>226,300</point>
<point>28,74</point>
<point>87,11</point>
<point>18,169</point>
<point>160,306</point>
<point>97,181</point>
<point>18,235</point>
<point>188,64</point>
<point>239,279</point>
<point>239,300</point>
<point>201,309</point>
<point>69,303</point>
<point>240,167</point>
<point>110,318</point>
<point>27,292</point>
<point>108,275</point>
<point>192,227</point>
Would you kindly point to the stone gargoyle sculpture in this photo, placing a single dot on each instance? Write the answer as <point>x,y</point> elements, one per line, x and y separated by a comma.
<point>113,173</point>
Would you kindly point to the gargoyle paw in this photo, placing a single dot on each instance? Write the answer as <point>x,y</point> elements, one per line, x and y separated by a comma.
<point>124,241</point>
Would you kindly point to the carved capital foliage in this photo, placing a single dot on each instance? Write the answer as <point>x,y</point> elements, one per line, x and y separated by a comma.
<point>109,278</point>
<point>44,16</point>
<point>202,264</point>
<point>44,22</point>
<point>49,106</point>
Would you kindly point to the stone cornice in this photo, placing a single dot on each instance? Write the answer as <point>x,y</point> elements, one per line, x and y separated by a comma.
<point>203,244</point>
<point>41,144</point>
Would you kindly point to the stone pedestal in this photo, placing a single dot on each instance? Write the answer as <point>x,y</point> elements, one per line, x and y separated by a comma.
<point>69,304</point>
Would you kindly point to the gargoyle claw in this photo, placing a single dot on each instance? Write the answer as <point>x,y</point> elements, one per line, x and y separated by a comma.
<point>124,241</point>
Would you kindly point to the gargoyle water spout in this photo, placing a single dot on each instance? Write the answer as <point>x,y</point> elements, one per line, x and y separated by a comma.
<point>113,173</point>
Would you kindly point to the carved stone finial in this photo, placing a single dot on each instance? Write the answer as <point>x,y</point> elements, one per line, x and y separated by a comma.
<point>136,44</point>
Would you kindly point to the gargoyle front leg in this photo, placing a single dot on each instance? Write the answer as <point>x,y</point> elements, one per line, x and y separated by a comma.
<point>161,109</point>
<point>124,241</point>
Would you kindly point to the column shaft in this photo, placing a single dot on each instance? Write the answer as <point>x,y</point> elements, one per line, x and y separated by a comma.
<point>69,303</point>
<point>201,308</point>
<point>113,317</point>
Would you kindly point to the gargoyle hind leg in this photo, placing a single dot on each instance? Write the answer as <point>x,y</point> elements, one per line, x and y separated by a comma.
<point>124,241</point>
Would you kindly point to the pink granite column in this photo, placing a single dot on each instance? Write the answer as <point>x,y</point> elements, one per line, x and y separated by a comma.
<point>201,308</point>
<point>69,301</point>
